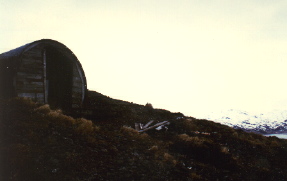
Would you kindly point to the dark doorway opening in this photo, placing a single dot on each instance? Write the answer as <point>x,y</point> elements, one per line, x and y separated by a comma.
<point>59,79</point>
<point>7,73</point>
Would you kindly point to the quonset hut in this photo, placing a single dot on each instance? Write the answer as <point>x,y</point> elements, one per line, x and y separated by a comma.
<point>46,71</point>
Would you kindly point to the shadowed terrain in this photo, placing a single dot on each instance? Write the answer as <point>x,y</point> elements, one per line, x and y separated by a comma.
<point>99,142</point>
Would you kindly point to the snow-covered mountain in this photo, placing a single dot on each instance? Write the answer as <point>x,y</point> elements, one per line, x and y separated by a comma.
<point>270,122</point>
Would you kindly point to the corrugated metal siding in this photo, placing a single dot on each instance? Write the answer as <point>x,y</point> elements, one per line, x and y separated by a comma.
<point>25,67</point>
<point>29,77</point>
<point>76,88</point>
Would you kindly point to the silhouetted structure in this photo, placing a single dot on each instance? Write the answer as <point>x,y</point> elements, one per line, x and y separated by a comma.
<point>46,71</point>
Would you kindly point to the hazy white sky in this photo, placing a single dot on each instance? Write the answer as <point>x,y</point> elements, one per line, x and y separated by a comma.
<point>189,56</point>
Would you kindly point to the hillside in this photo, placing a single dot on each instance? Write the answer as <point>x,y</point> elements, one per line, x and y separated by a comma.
<point>100,143</point>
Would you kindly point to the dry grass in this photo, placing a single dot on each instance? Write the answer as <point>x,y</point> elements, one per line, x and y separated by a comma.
<point>224,149</point>
<point>86,126</point>
<point>42,144</point>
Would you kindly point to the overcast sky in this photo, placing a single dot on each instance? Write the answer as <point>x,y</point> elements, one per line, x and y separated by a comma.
<point>189,56</point>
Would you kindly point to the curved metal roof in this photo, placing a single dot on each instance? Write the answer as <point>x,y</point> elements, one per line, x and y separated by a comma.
<point>18,51</point>
<point>15,53</point>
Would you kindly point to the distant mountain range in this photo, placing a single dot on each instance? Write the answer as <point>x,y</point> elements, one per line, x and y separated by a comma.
<point>266,123</point>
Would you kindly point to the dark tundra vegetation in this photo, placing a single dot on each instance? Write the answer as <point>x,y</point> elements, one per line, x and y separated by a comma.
<point>100,143</point>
